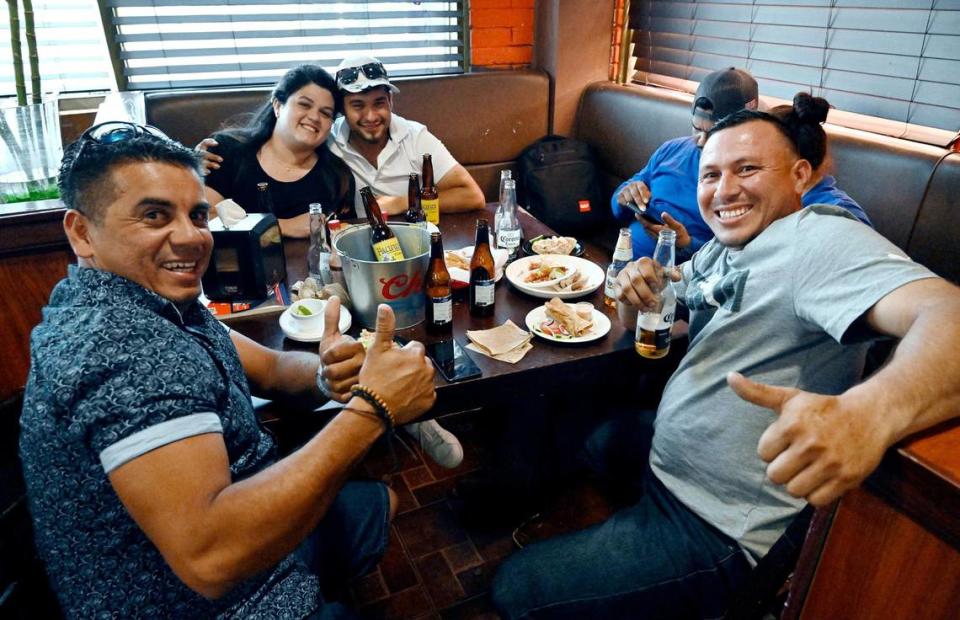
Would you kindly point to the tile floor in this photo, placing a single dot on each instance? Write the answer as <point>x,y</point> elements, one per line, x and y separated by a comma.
<point>437,566</point>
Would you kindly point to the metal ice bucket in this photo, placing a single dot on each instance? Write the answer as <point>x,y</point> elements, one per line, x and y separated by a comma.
<point>398,284</point>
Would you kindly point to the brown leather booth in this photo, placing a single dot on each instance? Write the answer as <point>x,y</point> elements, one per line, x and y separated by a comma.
<point>484,119</point>
<point>908,189</point>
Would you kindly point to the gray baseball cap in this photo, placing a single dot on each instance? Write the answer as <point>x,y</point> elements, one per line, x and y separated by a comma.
<point>724,92</point>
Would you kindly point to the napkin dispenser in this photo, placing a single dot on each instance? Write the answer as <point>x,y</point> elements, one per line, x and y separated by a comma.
<point>247,261</point>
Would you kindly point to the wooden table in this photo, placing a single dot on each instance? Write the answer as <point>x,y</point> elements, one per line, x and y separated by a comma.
<point>547,364</point>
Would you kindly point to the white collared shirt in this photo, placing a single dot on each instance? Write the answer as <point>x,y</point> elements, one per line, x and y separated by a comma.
<point>402,154</point>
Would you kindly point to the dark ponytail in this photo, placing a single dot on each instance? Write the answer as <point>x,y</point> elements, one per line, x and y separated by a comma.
<point>802,121</point>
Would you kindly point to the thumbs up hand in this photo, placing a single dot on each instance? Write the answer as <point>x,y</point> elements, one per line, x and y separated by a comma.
<point>340,356</point>
<point>819,446</point>
<point>402,377</point>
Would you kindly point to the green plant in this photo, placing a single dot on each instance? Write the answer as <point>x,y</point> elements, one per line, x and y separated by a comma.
<point>23,125</point>
<point>13,10</point>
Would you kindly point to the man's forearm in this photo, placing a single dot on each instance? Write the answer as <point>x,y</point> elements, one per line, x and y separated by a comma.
<point>294,377</point>
<point>920,386</point>
<point>244,535</point>
<point>460,198</point>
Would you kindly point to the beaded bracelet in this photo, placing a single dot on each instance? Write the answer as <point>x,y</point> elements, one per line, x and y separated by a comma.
<point>377,403</point>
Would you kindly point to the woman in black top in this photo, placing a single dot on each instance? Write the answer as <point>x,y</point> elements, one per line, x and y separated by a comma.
<point>284,145</point>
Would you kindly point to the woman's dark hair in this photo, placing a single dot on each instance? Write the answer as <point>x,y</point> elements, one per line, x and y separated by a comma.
<point>259,129</point>
<point>802,120</point>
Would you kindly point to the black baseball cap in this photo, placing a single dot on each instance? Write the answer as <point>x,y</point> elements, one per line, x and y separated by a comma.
<point>724,92</point>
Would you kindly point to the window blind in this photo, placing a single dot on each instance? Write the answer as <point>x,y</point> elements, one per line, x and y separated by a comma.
<point>893,59</point>
<point>190,43</point>
<point>71,50</point>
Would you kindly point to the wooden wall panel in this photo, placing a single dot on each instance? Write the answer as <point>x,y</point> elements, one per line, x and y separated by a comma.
<point>26,282</point>
<point>879,563</point>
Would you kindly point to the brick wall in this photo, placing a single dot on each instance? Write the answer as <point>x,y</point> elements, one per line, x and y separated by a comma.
<point>501,33</point>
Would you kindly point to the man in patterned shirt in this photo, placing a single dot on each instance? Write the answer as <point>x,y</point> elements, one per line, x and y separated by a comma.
<point>153,489</point>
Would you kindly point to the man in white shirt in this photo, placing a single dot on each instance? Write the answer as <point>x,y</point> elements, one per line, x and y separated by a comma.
<point>383,149</point>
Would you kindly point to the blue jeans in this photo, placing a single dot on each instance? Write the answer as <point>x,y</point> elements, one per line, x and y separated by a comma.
<point>348,542</point>
<point>655,559</point>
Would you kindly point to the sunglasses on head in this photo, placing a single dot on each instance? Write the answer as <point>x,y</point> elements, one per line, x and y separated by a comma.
<point>373,71</point>
<point>115,132</point>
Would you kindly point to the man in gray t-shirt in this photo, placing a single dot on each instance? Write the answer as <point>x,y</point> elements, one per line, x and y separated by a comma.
<point>789,298</point>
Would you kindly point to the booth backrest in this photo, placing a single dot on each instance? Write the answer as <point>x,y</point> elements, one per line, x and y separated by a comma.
<point>485,119</point>
<point>908,189</point>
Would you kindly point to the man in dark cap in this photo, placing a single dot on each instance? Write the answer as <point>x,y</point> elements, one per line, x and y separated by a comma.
<point>667,185</point>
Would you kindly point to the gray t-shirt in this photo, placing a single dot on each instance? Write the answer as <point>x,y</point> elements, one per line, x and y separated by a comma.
<point>776,311</point>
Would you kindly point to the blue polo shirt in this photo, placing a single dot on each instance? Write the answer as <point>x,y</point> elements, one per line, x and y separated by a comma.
<point>671,174</point>
<point>117,371</point>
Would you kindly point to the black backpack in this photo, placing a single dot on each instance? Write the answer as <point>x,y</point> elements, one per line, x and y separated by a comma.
<point>559,184</point>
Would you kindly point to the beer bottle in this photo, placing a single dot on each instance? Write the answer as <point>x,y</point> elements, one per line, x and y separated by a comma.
<point>438,291</point>
<point>622,254</point>
<point>429,196</point>
<point>506,221</point>
<point>264,201</point>
<point>482,273</point>
<point>386,246</point>
<point>653,328</point>
<point>414,214</point>
<point>318,254</point>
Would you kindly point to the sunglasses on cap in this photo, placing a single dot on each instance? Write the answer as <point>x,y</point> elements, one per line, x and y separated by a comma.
<point>373,71</point>
<point>115,132</point>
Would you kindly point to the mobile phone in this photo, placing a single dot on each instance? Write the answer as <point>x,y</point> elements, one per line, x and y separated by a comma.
<point>645,213</point>
<point>452,360</point>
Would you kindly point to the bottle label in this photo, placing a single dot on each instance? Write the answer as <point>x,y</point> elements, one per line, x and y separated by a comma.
<point>432,210</point>
<point>483,292</point>
<point>388,250</point>
<point>508,239</point>
<point>623,254</point>
<point>442,309</point>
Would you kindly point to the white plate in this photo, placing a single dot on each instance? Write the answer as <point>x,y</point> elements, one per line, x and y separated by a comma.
<point>601,325</point>
<point>310,331</point>
<point>593,273</point>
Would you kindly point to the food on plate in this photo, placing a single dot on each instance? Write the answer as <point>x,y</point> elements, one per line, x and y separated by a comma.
<point>303,310</point>
<point>573,282</point>
<point>563,322</point>
<point>584,310</point>
<point>544,271</point>
<point>554,245</point>
<point>455,260</point>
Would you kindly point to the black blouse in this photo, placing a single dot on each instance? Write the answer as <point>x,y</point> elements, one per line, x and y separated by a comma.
<point>329,182</point>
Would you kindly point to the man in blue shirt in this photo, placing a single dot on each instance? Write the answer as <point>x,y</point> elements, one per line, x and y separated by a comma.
<point>667,185</point>
<point>153,490</point>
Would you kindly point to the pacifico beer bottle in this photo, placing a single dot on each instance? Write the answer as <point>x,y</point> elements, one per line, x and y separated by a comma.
<point>438,291</point>
<point>429,196</point>
<point>653,328</point>
<point>386,246</point>
<point>482,273</point>
<point>414,213</point>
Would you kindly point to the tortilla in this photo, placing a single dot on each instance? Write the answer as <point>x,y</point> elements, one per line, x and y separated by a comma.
<point>554,245</point>
<point>499,340</point>
<point>575,325</point>
<point>455,260</point>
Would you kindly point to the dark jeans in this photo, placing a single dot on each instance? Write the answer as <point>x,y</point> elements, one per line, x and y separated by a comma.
<point>655,559</point>
<point>347,543</point>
